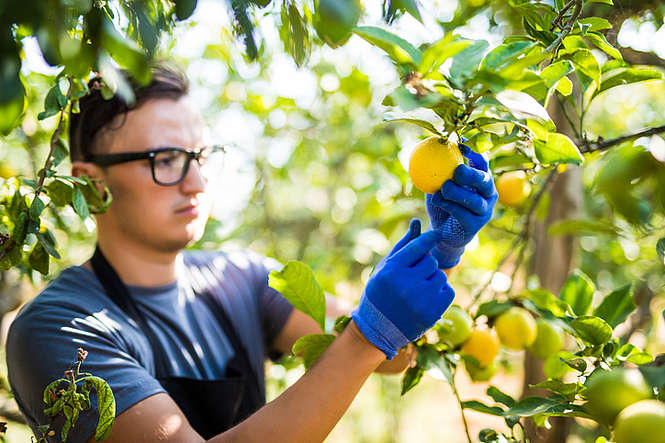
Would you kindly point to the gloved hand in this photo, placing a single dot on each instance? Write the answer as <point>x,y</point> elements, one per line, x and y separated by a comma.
<point>462,206</point>
<point>406,294</point>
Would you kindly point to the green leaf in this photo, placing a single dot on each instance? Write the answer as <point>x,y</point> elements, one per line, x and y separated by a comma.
<point>492,308</point>
<point>554,72</point>
<point>398,49</point>
<point>601,42</point>
<point>633,354</point>
<point>577,292</point>
<point>567,390</point>
<point>184,8</point>
<point>297,284</point>
<point>79,204</point>
<point>48,242</point>
<point>312,346</point>
<point>500,396</point>
<point>466,61</point>
<point>411,378</point>
<point>39,259</point>
<point>481,407</point>
<point>558,149</point>
<point>606,2</point>
<point>60,192</point>
<point>60,152</point>
<point>341,323</point>
<point>522,105</point>
<point>429,357</point>
<point>440,51</point>
<point>503,54</point>
<point>409,6</point>
<point>566,227</point>
<point>36,208</point>
<point>595,23</point>
<point>586,63</point>
<point>579,364</point>
<point>531,406</point>
<point>626,76</point>
<point>660,249</point>
<point>565,86</point>
<point>591,329</point>
<point>546,301</point>
<point>616,306</point>
<point>105,405</point>
<point>422,123</point>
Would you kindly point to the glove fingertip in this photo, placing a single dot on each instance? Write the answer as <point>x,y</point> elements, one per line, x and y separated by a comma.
<point>414,228</point>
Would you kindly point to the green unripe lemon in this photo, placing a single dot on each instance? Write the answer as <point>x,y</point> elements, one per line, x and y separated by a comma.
<point>549,339</point>
<point>455,326</point>
<point>640,422</point>
<point>608,392</point>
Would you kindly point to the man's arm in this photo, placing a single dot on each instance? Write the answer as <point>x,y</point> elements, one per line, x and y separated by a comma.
<point>311,407</point>
<point>300,324</point>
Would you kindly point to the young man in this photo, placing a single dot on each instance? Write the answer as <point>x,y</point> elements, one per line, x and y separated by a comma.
<point>181,337</point>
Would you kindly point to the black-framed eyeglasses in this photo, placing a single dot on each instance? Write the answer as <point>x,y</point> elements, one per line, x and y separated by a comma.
<point>169,165</point>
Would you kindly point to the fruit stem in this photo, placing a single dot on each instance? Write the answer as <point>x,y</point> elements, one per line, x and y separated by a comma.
<point>461,407</point>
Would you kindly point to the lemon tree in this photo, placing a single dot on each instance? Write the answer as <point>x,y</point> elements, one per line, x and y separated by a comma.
<point>551,93</point>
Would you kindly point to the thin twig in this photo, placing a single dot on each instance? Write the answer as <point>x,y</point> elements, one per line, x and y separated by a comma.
<point>557,21</point>
<point>554,46</point>
<point>522,237</point>
<point>42,177</point>
<point>601,145</point>
<point>461,407</point>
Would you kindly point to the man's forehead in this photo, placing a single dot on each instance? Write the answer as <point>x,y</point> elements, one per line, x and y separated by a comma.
<point>157,123</point>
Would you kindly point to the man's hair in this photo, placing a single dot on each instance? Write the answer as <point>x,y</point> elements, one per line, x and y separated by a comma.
<point>96,113</point>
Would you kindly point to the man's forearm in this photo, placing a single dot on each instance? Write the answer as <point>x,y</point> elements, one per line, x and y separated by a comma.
<point>309,409</point>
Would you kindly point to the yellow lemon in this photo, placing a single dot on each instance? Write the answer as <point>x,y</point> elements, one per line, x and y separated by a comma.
<point>483,345</point>
<point>433,162</point>
<point>513,188</point>
<point>516,328</point>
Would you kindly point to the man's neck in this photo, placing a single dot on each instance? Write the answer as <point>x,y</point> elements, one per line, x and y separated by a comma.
<point>138,265</point>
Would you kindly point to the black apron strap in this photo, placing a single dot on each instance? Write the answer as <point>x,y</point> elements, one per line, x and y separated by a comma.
<point>117,291</point>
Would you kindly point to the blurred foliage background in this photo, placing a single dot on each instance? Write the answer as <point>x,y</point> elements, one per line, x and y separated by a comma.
<point>312,174</point>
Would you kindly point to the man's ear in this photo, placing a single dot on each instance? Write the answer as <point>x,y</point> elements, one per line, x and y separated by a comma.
<point>81,168</point>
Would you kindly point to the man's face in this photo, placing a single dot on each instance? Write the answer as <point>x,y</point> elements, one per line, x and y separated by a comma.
<point>162,218</point>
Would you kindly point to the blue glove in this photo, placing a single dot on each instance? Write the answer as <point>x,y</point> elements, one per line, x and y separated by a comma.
<point>406,294</point>
<point>462,206</point>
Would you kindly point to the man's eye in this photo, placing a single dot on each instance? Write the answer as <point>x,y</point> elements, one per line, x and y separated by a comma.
<point>164,162</point>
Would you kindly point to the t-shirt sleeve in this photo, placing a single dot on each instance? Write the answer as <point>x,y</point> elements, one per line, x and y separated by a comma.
<point>42,343</point>
<point>274,309</point>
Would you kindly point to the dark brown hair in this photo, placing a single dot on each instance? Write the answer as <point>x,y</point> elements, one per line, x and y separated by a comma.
<point>96,113</point>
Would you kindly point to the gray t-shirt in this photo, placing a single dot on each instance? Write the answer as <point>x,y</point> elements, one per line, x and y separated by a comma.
<point>74,311</point>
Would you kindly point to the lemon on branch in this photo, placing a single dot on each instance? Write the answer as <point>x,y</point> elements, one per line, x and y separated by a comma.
<point>549,339</point>
<point>477,373</point>
<point>513,188</point>
<point>433,162</point>
<point>641,422</point>
<point>483,345</point>
<point>516,328</point>
<point>455,326</point>
<point>608,392</point>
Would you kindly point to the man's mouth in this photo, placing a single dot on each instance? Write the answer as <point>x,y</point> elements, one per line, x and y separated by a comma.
<point>190,209</point>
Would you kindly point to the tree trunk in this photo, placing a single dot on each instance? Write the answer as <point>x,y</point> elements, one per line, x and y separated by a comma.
<point>552,261</point>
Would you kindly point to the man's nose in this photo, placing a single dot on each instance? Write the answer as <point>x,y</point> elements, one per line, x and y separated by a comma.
<point>194,182</point>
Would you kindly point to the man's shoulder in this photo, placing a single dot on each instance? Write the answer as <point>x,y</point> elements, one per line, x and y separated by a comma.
<point>238,259</point>
<point>74,290</point>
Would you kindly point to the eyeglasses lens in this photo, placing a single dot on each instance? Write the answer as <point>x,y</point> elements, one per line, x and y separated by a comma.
<point>169,166</point>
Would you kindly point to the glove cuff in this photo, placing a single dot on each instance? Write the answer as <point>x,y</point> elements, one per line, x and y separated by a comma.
<point>447,256</point>
<point>378,329</point>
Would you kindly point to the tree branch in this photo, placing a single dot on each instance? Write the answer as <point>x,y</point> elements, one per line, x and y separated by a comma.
<point>554,46</point>
<point>601,145</point>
